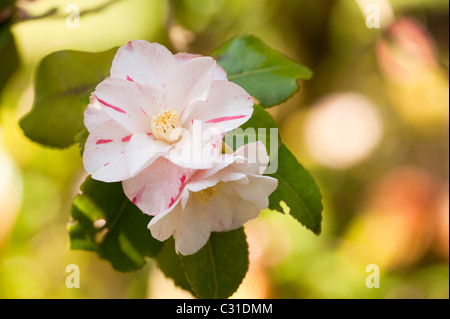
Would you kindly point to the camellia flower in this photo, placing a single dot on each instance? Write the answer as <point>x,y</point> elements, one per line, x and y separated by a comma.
<point>147,113</point>
<point>218,199</point>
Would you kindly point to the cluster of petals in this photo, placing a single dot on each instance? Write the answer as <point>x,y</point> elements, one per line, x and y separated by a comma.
<point>144,121</point>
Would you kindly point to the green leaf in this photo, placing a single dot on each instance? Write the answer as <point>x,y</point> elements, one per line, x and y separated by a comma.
<point>217,270</point>
<point>296,187</point>
<point>298,190</point>
<point>63,81</point>
<point>262,71</point>
<point>169,262</point>
<point>106,222</point>
<point>9,57</point>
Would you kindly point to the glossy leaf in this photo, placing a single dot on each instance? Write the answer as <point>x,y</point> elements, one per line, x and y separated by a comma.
<point>263,72</point>
<point>169,262</point>
<point>106,222</point>
<point>9,56</point>
<point>296,187</point>
<point>217,270</point>
<point>64,81</point>
<point>298,190</point>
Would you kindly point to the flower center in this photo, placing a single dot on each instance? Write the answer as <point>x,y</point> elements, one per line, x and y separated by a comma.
<point>165,126</point>
<point>205,195</point>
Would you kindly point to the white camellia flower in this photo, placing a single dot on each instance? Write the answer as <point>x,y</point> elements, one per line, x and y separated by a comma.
<point>218,199</point>
<point>147,112</point>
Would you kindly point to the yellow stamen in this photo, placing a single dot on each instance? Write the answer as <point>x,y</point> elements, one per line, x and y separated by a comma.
<point>165,126</point>
<point>205,195</point>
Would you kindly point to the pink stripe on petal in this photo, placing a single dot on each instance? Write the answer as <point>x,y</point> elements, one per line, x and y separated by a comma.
<point>138,196</point>
<point>115,108</point>
<point>103,142</point>
<point>225,118</point>
<point>127,138</point>
<point>107,164</point>
<point>129,78</point>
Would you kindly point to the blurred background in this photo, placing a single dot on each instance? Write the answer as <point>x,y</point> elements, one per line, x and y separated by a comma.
<point>371,126</point>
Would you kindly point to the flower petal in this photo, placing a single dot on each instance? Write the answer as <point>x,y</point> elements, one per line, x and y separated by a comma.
<point>256,158</point>
<point>227,107</point>
<point>257,188</point>
<point>163,225</point>
<point>130,104</point>
<point>194,150</point>
<point>219,213</point>
<point>243,211</point>
<point>141,151</point>
<point>193,229</point>
<point>191,82</point>
<point>141,61</point>
<point>219,72</point>
<point>158,187</point>
<point>103,155</point>
<point>94,115</point>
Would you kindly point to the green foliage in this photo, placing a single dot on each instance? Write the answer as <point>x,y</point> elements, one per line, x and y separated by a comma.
<point>8,49</point>
<point>264,72</point>
<point>63,83</point>
<point>217,270</point>
<point>170,264</point>
<point>296,187</point>
<point>106,222</point>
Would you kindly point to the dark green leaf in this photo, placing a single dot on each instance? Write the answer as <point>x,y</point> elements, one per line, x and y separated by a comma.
<point>124,239</point>
<point>298,190</point>
<point>63,81</point>
<point>9,57</point>
<point>263,72</point>
<point>170,264</point>
<point>296,187</point>
<point>217,270</point>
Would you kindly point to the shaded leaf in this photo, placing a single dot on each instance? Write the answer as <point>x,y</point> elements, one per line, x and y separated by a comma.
<point>169,262</point>
<point>262,71</point>
<point>9,57</point>
<point>296,187</point>
<point>63,81</point>
<point>106,222</point>
<point>298,190</point>
<point>217,270</point>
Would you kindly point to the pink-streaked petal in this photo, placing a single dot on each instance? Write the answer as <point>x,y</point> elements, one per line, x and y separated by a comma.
<point>130,104</point>
<point>158,187</point>
<point>141,61</point>
<point>219,72</point>
<point>94,115</point>
<point>227,107</point>
<point>191,82</point>
<point>193,229</point>
<point>103,155</point>
<point>141,151</point>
